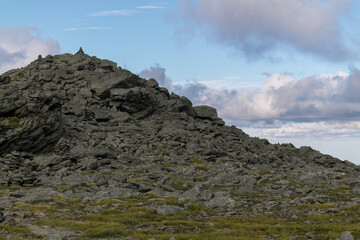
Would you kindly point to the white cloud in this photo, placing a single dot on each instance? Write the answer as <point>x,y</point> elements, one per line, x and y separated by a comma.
<point>236,82</point>
<point>322,129</point>
<point>258,27</point>
<point>281,97</point>
<point>87,28</point>
<point>112,13</point>
<point>317,98</point>
<point>324,105</point>
<point>22,44</point>
<point>150,7</point>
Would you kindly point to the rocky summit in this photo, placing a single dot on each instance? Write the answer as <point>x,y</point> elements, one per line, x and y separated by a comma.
<point>89,150</point>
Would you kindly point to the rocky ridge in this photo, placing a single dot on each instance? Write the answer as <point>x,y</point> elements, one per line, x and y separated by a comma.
<point>78,127</point>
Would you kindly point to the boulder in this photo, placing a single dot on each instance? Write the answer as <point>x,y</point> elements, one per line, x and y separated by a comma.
<point>168,209</point>
<point>346,236</point>
<point>206,112</point>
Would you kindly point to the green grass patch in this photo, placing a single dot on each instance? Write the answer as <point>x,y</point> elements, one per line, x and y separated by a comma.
<point>202,167</point>
<point>10,122</point>
<point>196,160</point>
<point>15,229</point>
<point>136,217</point>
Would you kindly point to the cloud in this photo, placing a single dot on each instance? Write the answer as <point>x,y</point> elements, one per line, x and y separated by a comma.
<point>159,74</point>
<point>150,7</point>
<point>316,98</point>
<point>112,13</point>
<point>324,105</point>
<point>87,28</point>
<point>281,97</point>
<point>322,129</point>
<point>22,44</point>
<point>257,28</point>
<point>192,90</point>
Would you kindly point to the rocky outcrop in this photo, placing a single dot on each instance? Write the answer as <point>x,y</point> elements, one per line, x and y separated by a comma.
<point>80,127</point>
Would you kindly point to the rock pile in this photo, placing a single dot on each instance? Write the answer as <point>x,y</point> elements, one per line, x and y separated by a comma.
<point>84,128</point>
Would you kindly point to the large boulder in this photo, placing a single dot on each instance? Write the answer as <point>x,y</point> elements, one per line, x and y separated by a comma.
<point>206,112</point>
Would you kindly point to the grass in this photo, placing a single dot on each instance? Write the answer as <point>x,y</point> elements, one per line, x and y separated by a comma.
<point>196,160</point>
<point>120,223</point>
<point>6,187</point>
<point>203,167</point>
<point>136,217</point>
<point>12,122</point>
<point>16,233</point>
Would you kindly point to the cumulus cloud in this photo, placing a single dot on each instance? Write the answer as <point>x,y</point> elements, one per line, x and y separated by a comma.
<point>257,27</point>
<point>322,129</point>
<point>316,98</point>
<point>192,90</point>
<point>281,97</point>
<point>324,105</point>
<point>159,74</point>
<point>22,44</point>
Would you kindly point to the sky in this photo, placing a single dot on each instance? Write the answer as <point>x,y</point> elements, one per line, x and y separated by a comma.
<point>285,70</point>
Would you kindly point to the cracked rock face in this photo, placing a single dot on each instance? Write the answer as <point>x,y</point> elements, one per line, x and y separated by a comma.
<point>57,96</point>
<point>81,127</point>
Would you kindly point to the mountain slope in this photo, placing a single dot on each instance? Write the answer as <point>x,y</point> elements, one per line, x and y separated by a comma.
<point>77,131</point>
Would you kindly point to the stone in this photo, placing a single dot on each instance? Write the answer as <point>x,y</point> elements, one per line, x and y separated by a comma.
<point>168,209</point>
<point>346,236</point>
<point>2,217</point>
<point>220,201</point>
<point>356,190</point>
<point>206,112</point>
<point>81,51</point>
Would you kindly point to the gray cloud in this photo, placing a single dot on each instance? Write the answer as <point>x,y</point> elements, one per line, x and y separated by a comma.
<point>353,86</point>
<point>22,44</point>
<point>256,28</point>
<point>192,90</point>
<point>327,105</point>
<point>317,98</point>
<point>159,74</point>
<point>282,97</point>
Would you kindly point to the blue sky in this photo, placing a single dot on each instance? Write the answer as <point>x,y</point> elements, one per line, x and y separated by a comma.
<point>284,70</point>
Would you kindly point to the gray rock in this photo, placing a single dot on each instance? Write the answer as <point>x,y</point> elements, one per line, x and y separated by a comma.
<point>76,179</point>
<point>2,217</point>
<point>356,190</point>
<point>206,112</point>
<point>60,235</point>
<point>346,236</point>
<point>220,201</point>
<point>168,209</point>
